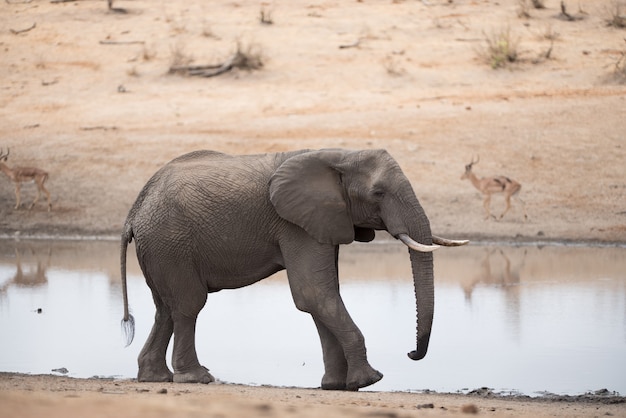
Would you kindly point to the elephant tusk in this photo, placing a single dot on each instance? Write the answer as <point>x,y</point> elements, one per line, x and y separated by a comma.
<point>449,242</point>
<point>414,245</point>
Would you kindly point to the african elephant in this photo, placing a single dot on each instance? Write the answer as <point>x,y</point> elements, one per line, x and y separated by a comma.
<point>208,221</point>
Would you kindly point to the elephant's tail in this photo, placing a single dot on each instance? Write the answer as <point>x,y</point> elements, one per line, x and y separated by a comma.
<point>128,322</point>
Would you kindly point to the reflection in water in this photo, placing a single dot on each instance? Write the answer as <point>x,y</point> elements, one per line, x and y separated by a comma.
<point>512,318</point>
<point>28,278</point>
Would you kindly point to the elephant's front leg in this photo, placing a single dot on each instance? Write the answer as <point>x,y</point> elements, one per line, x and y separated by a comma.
<point>335,364</point>
<point>187,368</point>
<point>315,289</point>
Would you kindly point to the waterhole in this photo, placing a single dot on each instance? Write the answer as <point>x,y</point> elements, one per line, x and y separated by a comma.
<point>522,319</point>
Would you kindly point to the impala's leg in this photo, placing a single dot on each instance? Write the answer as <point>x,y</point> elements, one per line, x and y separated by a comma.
<point>17,195</point>
<point>486,204</point>
<point>507,199</point>
<point>32,205</point>
<point>523,205</point>
<point>43,188</point>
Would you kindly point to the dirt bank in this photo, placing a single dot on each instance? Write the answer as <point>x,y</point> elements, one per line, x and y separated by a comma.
<point>32,396</point>
<point>87,97</point>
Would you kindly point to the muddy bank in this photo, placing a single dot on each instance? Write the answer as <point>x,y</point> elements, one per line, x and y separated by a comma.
<point>29,396</point>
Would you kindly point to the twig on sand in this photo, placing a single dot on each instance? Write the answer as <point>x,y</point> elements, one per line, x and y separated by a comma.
<point>352,45</point>
<point>240,60</point>
<point>98,128</point>
<point>106,42</point>
<point>18,31</point>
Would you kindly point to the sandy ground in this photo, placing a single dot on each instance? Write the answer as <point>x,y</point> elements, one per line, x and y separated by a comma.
<point>86,95</point>
<point>57,396</point>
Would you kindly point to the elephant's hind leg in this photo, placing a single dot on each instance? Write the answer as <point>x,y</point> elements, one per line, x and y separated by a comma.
<point>187,368</point>
<point>152,365</point>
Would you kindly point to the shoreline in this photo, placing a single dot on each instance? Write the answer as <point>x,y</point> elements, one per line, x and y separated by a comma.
<point>481,241</point>
<point>60,396</point>
<point>602,395</point>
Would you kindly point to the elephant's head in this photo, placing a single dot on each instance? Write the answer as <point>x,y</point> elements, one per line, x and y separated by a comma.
<point>339,196</point>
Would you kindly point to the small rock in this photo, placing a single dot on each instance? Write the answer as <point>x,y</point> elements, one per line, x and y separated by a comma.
<point>162,391</point>
<point>61,370</point>
<point>469,409</point>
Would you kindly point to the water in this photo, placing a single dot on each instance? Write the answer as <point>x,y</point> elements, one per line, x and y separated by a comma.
<point>522,319</point>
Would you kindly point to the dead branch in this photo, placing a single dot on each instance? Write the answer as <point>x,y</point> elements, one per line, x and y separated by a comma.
<point>62,1</point>
<point>98,128</point>
<point>105,42</point>
<point>18,2</point>
<point>18,31</point>
<point>564,15</point>
<point>352,45</point>
<point>239,60</point>
<point>564,12</point>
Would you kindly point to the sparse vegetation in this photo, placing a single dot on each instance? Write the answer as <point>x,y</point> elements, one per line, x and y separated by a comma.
<point>178,56</point>
<point>133,72</point>
<point>148,53</point>
<point>616,14</point>
<point>619,70</point>
<point>538,4</point>
<point>249,57</point>
<point>523,7</point>
<point>392,65</point>
<point>207,31</point>
<point>501,49</point>
<point>550,34</point>
<point>265,16</point>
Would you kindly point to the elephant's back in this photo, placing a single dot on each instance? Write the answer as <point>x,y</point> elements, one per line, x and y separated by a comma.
<point>201,155</point>
<point>204,188</point>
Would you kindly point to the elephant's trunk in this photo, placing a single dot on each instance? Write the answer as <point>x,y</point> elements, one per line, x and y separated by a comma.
<point>412,227</point>
<point>422,268</point>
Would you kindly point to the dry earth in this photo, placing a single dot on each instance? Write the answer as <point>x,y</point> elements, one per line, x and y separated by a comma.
<point>63,397</point>
<point>86,95</point>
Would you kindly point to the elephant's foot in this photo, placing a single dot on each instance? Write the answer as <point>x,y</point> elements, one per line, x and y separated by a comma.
<point>198,375</point>
<point>152,374</point>
<point>331,382</point>
<point>362,377</point>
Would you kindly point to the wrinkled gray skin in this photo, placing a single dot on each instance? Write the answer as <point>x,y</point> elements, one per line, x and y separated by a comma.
<point>208,221</point>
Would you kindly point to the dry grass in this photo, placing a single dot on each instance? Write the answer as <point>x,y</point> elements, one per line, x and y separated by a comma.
<point>500,49</point>
<point>178,56</point>
<point>619,71</point>
<point>265,16</point>
<point>616,14</point>
<point>247,57</point>
<point>392,65</point>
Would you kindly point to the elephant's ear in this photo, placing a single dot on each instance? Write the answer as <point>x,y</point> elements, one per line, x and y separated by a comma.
<point>306,190</point>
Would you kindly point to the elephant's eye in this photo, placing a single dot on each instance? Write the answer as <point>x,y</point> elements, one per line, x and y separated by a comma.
<point>378,194</point>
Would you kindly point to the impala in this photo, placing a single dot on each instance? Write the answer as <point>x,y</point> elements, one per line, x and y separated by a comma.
<point>493,185</point>
<point>19,175</point>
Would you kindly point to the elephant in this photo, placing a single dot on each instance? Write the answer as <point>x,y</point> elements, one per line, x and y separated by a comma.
<point>208,221</point>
